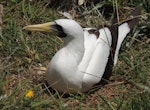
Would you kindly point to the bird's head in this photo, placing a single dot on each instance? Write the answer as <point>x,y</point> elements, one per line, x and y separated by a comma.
<point>61,27</point>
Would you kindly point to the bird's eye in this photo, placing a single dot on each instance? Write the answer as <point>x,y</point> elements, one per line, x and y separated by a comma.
<point>59,29</point>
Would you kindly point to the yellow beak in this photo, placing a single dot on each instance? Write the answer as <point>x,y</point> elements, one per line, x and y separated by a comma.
<point>45,27</point>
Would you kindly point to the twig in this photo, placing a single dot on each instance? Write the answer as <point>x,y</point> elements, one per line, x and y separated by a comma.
<point>89,12</point>
<point>65,14</point>
<point>140,86</point>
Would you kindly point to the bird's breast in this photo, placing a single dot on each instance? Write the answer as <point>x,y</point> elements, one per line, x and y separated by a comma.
<point>63,69</point>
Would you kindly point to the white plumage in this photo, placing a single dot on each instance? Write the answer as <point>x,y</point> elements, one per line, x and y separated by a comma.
<point>82,60</point>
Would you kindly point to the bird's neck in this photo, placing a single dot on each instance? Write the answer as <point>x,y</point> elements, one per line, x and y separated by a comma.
<point>75,47</point>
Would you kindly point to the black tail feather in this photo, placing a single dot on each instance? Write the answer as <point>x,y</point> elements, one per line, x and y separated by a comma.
<point>132,20</point>
<point>114,32</point>
<point>134,17</point>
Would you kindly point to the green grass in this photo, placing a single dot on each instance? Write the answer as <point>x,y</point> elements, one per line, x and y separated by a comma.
<point>22,52</point>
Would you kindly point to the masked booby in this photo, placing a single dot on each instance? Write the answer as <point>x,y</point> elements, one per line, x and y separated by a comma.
<point>88,54</point>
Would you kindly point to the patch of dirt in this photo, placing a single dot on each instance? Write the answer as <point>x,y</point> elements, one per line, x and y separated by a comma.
<point>37,76</point>
<point>108,91</point>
